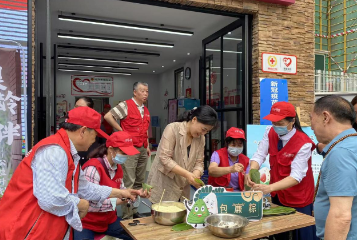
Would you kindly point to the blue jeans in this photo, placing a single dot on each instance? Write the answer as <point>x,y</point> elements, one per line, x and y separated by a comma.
<point>114,230</point>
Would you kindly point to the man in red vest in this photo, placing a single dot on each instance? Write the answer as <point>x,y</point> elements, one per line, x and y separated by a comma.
<point>108,128</point>
<point>135,119</point>
<point>48,193</point>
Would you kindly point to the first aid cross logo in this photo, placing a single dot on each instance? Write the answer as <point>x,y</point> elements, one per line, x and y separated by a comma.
<point>272,61</point>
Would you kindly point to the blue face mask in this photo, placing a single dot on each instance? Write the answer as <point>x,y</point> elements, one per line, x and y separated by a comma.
<point>281,130</point>
<point>120,159</point>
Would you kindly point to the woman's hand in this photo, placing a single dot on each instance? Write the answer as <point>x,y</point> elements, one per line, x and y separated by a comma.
<point>237,167</point>
<point>144,194</point>
<point>191,179</point>
<point>262,187</point>
<point>248,181</point>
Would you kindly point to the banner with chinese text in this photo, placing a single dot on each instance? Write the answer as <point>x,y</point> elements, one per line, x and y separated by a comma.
<point>10,114</point>
<point>271,91</point>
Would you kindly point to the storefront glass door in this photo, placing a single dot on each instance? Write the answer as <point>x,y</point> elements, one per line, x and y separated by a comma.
<point>225,79</point>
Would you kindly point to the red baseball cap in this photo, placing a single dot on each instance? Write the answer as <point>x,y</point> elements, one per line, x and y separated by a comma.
<point>107,106</point>
<point>86,117</point>
<point>123,141</point>
<point>235,133</point>
<point>281,110</point>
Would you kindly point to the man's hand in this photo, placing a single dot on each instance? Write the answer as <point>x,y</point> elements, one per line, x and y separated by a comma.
<point>148,151</point>
<point>83,207</point>
<point>120,202</point>
<point>124,193</point>
<point>237,167</point>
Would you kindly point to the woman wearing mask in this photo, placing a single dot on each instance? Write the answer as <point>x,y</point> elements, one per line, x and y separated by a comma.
<point>180,155</point>
<point>104,168</point>
<point>291,177</point>
<point>228,164</point>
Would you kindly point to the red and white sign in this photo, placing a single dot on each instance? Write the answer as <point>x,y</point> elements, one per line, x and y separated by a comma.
<point>279,63</point>
<point>91,85</point>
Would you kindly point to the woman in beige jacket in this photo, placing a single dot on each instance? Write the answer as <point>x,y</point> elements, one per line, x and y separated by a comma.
<point>179,158</point>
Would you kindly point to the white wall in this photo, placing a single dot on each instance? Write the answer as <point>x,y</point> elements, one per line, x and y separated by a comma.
<point>167,82</point>
<point>123,89</point>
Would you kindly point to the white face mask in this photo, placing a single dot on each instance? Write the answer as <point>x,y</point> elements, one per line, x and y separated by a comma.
<point>235,151</point>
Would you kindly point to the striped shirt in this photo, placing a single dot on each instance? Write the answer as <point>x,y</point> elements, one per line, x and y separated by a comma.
<point>92,175</point>
<point>120,111</point>
<point>50,168</point>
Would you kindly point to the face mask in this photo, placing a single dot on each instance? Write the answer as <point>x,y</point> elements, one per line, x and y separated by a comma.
<point>281,130</point>
<point>120,159</point>
<point>235,151</point>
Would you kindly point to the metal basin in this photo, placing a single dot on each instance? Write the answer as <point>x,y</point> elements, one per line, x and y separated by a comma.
<point>168,218</point>
<point>226,225</point>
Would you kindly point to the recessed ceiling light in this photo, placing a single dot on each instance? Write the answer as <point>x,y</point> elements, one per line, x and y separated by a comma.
<point>188,53</point>
<point>229,32</point>
<point>114,40</point>
<point>101,59</point>
<point>163,66</point>
<point>92,71</point>
<point>104,49</point>
<point>123,25</point>
<point>218,50</point>
<point>96,66</point>
<point>174,60</point>
<point>235,39</point>
<point>153,71</point>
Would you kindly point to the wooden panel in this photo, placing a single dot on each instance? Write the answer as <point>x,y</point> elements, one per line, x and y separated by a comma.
<point>267,226</point>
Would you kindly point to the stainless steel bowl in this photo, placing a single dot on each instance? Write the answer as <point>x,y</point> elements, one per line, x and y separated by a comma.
<point>165,218</point>
<point>226,225</point>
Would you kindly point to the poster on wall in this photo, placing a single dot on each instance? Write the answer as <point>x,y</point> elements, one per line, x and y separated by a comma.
<point>10,115</point>
<point>255,134</point>
<point>172,110</point>
<point>82,85</point>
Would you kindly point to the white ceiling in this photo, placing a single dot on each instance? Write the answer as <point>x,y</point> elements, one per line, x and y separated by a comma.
<point>203,25</point>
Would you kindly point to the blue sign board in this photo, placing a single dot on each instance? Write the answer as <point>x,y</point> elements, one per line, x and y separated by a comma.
<point>271,91</point>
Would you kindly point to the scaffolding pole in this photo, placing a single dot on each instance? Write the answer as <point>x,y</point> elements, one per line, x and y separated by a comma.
<point>329,32</point>
<point>344,36</point>
<point>320,16</point>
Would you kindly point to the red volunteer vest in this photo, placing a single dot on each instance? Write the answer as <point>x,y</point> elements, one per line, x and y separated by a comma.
<point>99,221</point>
<point>20,215</point>
<point>224,180</point>
<point>108,128</point>
<point>301,194</point>
<point>136,125</point>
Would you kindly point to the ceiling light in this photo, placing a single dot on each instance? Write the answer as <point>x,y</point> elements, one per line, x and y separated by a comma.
<point>235,39</point>
<point>114,40</point>
<point>188,53</point>
<point>92,71</point>
<point>174,60</point>
<point>153,71</point>
<point>101,59</point>
<point>229,32</point>
<point>218,50</point>
<point>123,25</point>
<point>225,68</point>
<point>100,49</point>
<point>96,66</point>
<point>163,66</point>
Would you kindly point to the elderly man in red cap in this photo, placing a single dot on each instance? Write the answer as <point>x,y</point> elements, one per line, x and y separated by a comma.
<point>291,177</point>
<point>228,164</point>
<point>48,193</point>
